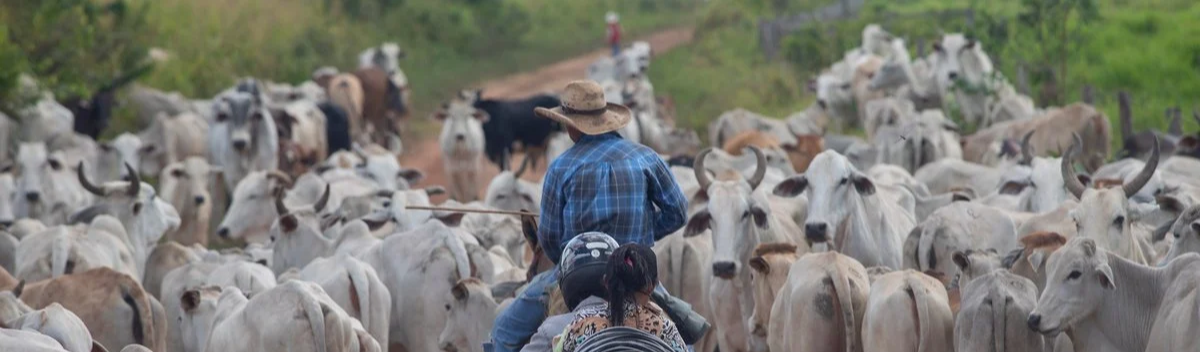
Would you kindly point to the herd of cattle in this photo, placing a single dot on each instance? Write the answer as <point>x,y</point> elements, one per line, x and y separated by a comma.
<point>798,239</point>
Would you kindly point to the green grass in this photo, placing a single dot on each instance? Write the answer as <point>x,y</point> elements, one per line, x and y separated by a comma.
<point>1148,48</point>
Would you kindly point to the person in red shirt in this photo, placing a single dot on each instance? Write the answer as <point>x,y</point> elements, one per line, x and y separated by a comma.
<point>614,33</point>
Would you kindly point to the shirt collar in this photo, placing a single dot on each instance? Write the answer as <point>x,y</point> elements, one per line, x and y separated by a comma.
<point>599,137</point>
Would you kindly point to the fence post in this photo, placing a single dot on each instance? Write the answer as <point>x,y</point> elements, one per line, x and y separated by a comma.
<point>1088,96</point>
<point>766,37</point>
<point>1022,80</point>
<point>1126,114</point>
<point>1175,127</point>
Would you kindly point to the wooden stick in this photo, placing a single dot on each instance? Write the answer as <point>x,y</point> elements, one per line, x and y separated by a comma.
<point>468,210</point>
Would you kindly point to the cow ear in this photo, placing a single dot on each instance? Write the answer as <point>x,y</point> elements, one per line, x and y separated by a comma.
<point>410,175</point>
<point>16,291</point>
<point>760,217</point>
<point>440,115</point>
<point>452,219</point>
<point>289,223</point>
<point>700,197</point>
<point>791,187</point>
<point>97,347</point>
<point>863,185</point>
<point>1084,178</point>
<point>760,265</point>
<point>970,44</point>
<point>699,223</point>
<point>190,300</point>
<point>937,46</point>
<point>1105,275</point>
<point>435,191</point>
<point>961,260</point>
<point>483,117</point>
<point>1013,187</point>
<point>960,197</point>
<point>460,292</point>
<point>1169,204</point>
<point>1036,259</point>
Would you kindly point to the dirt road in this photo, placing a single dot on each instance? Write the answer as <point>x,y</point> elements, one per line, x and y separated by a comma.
<point>421,150</point>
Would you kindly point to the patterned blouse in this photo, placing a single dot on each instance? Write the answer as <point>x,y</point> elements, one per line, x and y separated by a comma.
<point>649,318</point>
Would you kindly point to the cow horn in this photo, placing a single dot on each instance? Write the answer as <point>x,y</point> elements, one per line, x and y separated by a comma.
<point>524,165</point>
<point>279,206</point>
<point>83,181</point>
<point>281,177</point>
<point>1026,151</point>
<point>698,168</point>
<point>760,169</point>
<point>1070,180</point>
<point>320,204</point>
<point>1144,176</point>
<point>135,185</point>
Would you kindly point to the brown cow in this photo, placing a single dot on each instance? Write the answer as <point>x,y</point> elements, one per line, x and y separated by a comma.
<point>1030,261</point>
<point>385,103</point>
<point>346,91</point>
<point>771,262</point>
<point>111,304</point>
<point>800,155</point>
<point>1056,127</point>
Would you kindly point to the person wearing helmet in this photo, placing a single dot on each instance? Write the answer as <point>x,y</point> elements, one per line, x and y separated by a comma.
<point>581,281</point>
<point>614,32</point>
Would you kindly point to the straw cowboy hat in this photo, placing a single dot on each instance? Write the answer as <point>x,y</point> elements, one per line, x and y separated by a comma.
<point>583,107</point>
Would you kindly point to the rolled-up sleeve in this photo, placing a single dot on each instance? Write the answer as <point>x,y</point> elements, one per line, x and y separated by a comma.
<point>668,198</point>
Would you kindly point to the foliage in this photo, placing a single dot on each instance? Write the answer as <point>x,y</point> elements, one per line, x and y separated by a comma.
<point>11,65</point>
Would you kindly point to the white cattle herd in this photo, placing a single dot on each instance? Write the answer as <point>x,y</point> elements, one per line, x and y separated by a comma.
<point>798,239</point>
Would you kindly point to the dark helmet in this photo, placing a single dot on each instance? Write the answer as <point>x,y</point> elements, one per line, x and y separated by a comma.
<point>581,270</point>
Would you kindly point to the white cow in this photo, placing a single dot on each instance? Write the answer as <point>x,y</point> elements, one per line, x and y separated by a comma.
<point>386,56</point>
<point>243,138</point>
<point>471,312</point>
<point>181,324</point>
<point>771,263</point>
<point>185,185</point>
<point>889,323</point>
<point>1104,214</point>
<point>741,215</point>
<point>508,191</point>
<point>992,315</point>
<point>1112,304</point>
<point>241,324</point>
<point>250,278</point>
<point>145,217</point>
<point>683,272</point>
<point>821,305</point>
<point>63,250</point>
<point>170,139</point>
<point>59,324</point>
<point>963,69</point>
<point>114,155</point>
<point>461,142</point>
<point>382,168</point>
<point>47,189</point>
<point>356,288</point>
<point>964,226</point>
<point>1186,233</point>
<point>251,212</point>
<point>839,198</point>
<point>21,340</point>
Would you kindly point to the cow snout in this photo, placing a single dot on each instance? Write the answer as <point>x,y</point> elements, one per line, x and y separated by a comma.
<point>199,200</point>
<point>759,330</point>
<point>239,144</point>
<point>460,137</point>
<point>816,232</point>
<point>952,75</point>
<point>1035,322</point>
<point>6,223</point>
<point>724,270</point>
<point>223,232</point>
<point>448,347</point>
<point>33,196</point>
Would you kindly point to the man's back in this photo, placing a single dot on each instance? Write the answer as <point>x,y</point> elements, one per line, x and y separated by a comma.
<point>607,184</point>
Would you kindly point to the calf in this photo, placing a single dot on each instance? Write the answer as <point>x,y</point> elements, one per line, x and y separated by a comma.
<point>185,185</point>
<point>770,263</point>
<point>821,305</point>
<point>243,138</point>
<point>461,142</point>
<point>514,121</point>
<point>111,304</point>
<point>889,323</point>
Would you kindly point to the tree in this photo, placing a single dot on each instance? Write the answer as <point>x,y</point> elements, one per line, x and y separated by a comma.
<point>1051,29</point>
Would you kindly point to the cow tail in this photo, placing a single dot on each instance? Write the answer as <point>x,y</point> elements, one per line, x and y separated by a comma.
<point>925,338</point>
<point>677,252</point>
<point>360,287</point>
<point>315,312</point>
<point>999,323</point>
<point>925,251</point>
<point>841,284</point>
<point>143,315</point>
<point>60,254</point>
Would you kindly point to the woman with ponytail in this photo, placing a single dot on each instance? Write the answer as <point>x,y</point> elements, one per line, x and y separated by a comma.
<point>630,277</point>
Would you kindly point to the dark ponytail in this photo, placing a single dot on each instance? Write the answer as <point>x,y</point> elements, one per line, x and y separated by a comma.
<point>631,268</point>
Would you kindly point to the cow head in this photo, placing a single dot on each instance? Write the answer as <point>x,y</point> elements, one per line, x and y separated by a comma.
<point>834,187</point>
<point>833,92</point>
<point>1103,214</point>
<point>462,130</point>
<point>41,177</point>
<point>185,184</point>
<point>1186,231</point>
<point>251,210</point>
<point>199,312</point>
<point>11,306</point>
<point>146,217</point>
<point>470,312</point>
<point>125,149</point>
<point>771,262</point>
<point>958,58</point>
<point>1078,275</point>
<point>394,209</point>
<point>384,170</point>
<point>972,264</point>
<point>508,191</point>
<point>1042,188</point>
<point>735,213</point>
<point>297,235</point>
<point>246,118</point>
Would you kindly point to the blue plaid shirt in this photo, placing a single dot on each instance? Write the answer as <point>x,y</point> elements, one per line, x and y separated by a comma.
<point>607,184</point>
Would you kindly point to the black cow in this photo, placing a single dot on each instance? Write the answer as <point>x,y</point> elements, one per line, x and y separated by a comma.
<point>337,126</point>
<point>93,113</point>
<point>512,121</point>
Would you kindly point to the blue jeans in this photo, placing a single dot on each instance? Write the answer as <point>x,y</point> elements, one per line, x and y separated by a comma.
<point>517,323</point>
<point>616,49</point>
